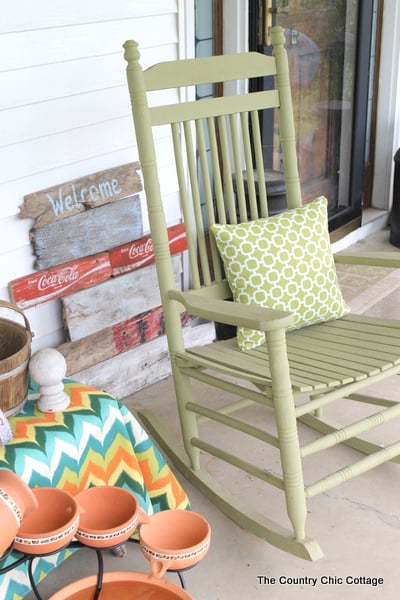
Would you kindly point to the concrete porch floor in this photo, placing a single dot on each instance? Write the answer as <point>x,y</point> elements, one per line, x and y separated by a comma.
<point>356,524</point>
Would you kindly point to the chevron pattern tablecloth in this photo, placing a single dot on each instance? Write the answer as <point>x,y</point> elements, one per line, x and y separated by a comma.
<point>95,441</point>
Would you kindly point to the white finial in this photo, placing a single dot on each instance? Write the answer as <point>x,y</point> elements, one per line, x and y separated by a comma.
<point>6,434</point>
<point>48,367</point>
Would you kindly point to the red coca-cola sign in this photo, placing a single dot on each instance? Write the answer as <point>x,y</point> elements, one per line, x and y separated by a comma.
<point>140,253</point>
<point>58,279</point>
<point>61,280</point>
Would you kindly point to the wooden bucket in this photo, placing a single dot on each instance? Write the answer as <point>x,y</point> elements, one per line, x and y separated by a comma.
<point>15,352</point>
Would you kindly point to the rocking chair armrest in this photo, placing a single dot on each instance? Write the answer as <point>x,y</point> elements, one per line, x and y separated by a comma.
<point>373,259</point>
<point>233,313</point>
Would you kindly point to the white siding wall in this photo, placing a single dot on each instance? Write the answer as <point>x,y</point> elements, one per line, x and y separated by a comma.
<point>64,108</point>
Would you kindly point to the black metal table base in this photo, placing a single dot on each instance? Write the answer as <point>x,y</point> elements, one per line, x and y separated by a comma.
<point>29,558</point>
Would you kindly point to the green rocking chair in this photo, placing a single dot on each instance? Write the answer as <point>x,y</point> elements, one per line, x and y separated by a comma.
<point>297,348</point>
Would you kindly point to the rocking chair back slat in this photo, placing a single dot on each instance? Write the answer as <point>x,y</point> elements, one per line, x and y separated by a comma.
<point>232,67</point>
<point>213,107</point>
<point>259,164</point>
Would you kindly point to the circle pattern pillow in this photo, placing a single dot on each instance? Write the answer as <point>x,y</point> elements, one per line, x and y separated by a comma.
<point>284,262</point>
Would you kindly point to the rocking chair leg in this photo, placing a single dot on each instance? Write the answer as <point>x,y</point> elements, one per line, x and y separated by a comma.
<point>187,419</point>
<point>286,424</point>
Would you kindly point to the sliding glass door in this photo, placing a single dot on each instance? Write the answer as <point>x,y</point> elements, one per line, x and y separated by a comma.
<point>329,46</point>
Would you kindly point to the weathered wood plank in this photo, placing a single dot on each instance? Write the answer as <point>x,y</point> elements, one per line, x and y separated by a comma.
<point>87,233</point>
<point>140,253</point>
<point>114,340</point>
<point>138,330</point>
<point>35,288</point>
<point>141,366</point>
<point>70,198</point>
<point>110,341</point>
<point>88,351</point>
<point>113,301</point>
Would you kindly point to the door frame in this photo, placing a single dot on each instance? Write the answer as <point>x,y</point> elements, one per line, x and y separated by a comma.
<point>387,124</point>
<point>388,107</point>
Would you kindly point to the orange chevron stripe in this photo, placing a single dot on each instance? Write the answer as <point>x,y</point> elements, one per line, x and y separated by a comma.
<point>108,472</point>
<point>124,469</point>
<point>69,482</point>
<point>92,469</point>
<point>120,458</point>
<point>24,427</point>
<point>121,449</point>
<point>152,465</point>
<point>92,475</point>
<point>93,457</point>
<point>79,394</point>
<point>151,470</point>
<point>156,483</point>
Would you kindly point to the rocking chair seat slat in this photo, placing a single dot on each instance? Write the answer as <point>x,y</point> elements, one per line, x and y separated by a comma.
<point>369,357</point>
<point>316,364</point>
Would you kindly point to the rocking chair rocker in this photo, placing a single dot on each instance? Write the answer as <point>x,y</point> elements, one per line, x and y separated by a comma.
<point>288,362</point>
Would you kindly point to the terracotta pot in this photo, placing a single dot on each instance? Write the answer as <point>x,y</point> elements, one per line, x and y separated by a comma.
<point>109,516</point>
<point>123,585</point>
<point>16,501</point>
<point>174,540</point>
<point>51,526</point>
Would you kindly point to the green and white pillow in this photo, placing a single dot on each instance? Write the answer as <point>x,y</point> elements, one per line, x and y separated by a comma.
<point>283,262</point>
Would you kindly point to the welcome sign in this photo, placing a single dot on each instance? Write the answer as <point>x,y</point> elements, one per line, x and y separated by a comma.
<point>85,216</point>
<point>92,255</point>
<point>73,197</point>
<point>95,194</point>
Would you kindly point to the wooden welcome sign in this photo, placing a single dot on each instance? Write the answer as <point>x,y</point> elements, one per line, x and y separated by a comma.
<point>70,198</point>
<point>85,216</point>
<point>91,254</point>
<point>87,233</point>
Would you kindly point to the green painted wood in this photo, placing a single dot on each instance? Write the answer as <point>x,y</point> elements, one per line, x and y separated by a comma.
<point>378,259</point>
<point>314,366</point>
<point>207,70</point>
<point>357,443</point>
<point>238,462</point>
<point>241,391</point>
<point>212,148</point>
<point>358,468</point>
<point>233,506</point>
<point>222,417</point>
<point>345,391</point>
<point>192,363</point>
<point>352,430</point>
<point>254,317</point>
<point>213,107</point>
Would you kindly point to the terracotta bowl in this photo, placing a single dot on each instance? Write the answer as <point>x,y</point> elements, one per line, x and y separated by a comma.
<point>51,526</point>
<point>174,540</point>
<point>16,501</point>
<point>109,516</point>
<point>123,585</point>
